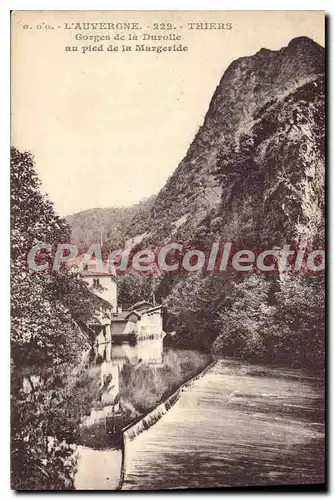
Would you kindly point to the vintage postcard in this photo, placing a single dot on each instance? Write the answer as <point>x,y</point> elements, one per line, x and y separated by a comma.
<point>167,250</point>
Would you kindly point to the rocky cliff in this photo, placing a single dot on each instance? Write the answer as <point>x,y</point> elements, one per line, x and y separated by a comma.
<point>254,176</point>
<point>257,158</point>
<point>269,101</point>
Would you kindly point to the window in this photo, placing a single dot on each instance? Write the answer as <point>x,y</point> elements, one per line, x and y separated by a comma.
<point>96,282</point>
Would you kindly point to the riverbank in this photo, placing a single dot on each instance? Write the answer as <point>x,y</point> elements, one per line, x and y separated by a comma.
<point>143,388</point>
<point>148,420</point>
<point>233,424</point>
<point>108,457</point>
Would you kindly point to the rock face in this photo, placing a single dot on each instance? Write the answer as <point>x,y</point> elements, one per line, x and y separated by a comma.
<point>273,178</point>
<point>254,171</point>
<point>265,108</point>
<point>253,176</point>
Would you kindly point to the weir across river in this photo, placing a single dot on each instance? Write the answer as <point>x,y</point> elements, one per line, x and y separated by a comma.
<point>238,425</point>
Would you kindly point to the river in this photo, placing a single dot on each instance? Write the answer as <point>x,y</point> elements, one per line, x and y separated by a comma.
<point>238,425</point>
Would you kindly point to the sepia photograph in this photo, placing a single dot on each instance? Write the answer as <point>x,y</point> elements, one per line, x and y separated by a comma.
<point>167,225</point>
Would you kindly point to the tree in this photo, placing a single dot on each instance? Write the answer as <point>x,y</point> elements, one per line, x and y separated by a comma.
<point>276,320</point>
<point>244,325</point>
<point>193,306</point>
<point>46,341</point>
<point>45,305</point>
<point>133,288</point>
<point>300,320</point>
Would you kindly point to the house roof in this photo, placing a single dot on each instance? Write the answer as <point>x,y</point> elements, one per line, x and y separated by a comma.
<point>142,304</point>
<point>96,273</point>
<point>134,312</point>
<point>145,307</point>
<point>124,316</point>
<point>101,300</point>
<point>118,319</point>
<point>88,266</point>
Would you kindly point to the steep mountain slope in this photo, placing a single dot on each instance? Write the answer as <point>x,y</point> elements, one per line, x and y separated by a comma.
<point>254,176</point>
<point>251,93</point>
<point>108,225</point>
<point>247,88</point>
<point>273,180</point>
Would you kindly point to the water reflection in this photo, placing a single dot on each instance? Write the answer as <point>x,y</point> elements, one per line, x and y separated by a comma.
<point>100,453</point>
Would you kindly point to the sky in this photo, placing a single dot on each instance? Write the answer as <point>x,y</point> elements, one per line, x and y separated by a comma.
<point>107,129</point>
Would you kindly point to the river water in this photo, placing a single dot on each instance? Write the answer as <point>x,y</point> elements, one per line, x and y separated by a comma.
<point>238,425</point>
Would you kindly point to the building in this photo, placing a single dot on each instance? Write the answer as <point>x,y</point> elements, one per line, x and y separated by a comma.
<point>118,337</point>
<point>100,277</point>
<point>135,335</point>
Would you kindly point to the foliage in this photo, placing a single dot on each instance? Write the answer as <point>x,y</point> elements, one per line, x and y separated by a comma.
<point>193,306</point>
<point>300,319</point>
<point>275,320</point>
<point>133,288</point>
<point>111,226</point>
<point>46,340</point>
<point>245,324</point>
<point>45,305</point>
